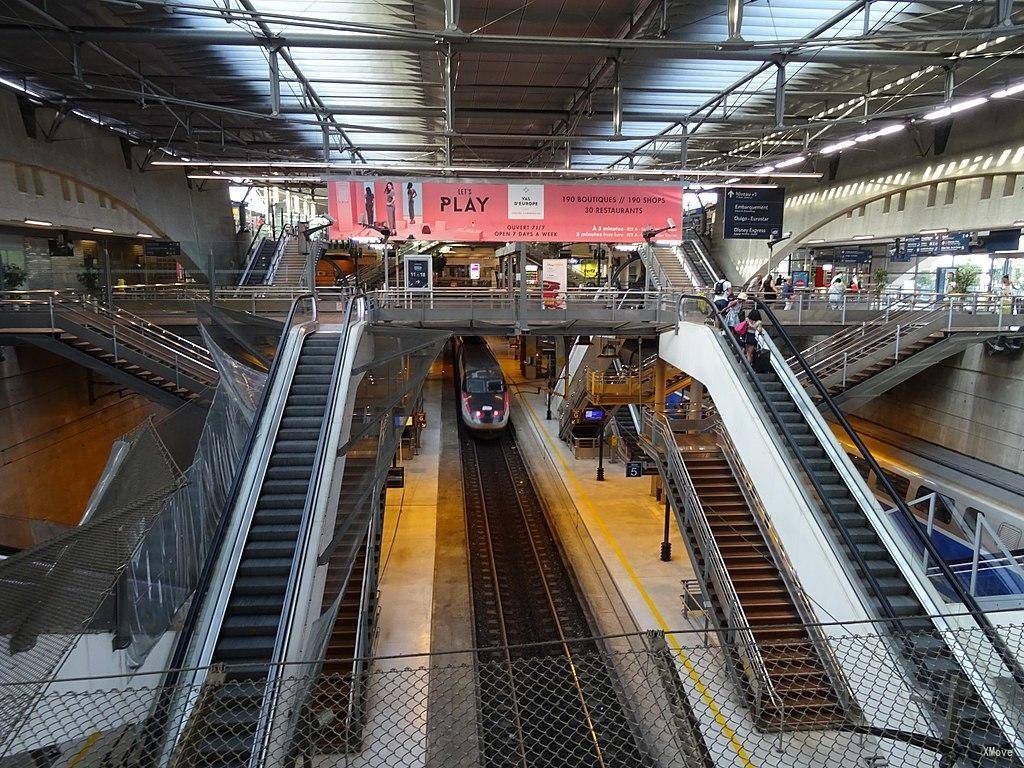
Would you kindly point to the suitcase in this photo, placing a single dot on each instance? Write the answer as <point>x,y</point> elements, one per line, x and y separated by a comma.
<point>762,361</point>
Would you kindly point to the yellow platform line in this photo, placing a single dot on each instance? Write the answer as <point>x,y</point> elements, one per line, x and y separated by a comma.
<point>691,670</point>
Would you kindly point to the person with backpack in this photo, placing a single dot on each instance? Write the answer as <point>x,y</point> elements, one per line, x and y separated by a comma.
<point>721,297</point>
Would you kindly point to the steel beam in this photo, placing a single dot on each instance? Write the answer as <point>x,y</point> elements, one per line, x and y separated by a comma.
<point>780,94</point>
<point>735,14</point>
<point>610,47</point>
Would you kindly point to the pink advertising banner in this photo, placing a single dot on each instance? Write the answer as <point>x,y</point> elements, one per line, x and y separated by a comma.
<point>500,212</point>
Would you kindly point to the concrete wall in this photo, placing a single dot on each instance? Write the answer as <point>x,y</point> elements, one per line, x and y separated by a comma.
<point>53,442</point>
<point>970,403</point>
<point>896,185</point>
<point>79,180</point>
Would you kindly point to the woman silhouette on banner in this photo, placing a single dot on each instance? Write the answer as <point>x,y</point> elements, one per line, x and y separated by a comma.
<point>411,193</point>
<point>389,205</point>
<point>369,205</point>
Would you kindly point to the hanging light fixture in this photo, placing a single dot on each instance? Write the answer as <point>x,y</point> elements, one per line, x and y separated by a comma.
<point>609,350</point>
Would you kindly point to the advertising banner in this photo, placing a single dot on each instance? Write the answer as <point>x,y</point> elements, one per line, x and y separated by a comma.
<point>422,209</point>
<point>555,276</point>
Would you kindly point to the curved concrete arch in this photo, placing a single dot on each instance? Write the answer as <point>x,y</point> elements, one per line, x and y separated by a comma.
<point>82,182</point>
<point>799,239</point>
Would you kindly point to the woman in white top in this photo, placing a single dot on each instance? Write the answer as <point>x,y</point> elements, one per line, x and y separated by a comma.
<point>835,293</point>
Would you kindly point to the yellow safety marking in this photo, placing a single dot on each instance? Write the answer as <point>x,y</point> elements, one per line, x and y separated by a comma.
<point>89,744</point>
<point>691,670</point>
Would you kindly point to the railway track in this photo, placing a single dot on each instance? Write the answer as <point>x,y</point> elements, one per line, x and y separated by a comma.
<point>548,704</point>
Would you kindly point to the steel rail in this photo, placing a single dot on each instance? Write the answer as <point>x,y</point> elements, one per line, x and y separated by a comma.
<point>497,603</point>
<point>591,729</point>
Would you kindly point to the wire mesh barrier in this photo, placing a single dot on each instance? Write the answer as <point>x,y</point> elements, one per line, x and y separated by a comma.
<point>676,702</point>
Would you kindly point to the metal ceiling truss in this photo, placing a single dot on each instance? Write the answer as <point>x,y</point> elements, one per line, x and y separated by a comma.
<point>628,107</point>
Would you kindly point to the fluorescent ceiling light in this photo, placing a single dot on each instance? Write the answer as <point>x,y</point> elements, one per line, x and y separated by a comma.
<point>791,161</point>
<point>241,179</point>
<point>103,230</point>
<point>764,169</point>
<point>938,231</point>
<point>1013,90</point>
<point>39,222</point>
<point>733,180</point>
<point>143,234</point>
<point>468,171</point>
<point>863,237</point>
<point>817,240</point>
<point>953,109</point>
<point>829,149</point>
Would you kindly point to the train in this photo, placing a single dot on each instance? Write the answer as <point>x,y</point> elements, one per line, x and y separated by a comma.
<point>914,476</point>
<point>483,392</point>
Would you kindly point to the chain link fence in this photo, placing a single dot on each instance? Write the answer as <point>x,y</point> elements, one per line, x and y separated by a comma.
<point>675,701</point>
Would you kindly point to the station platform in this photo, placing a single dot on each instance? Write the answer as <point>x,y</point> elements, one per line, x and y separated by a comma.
<point>623,522</point>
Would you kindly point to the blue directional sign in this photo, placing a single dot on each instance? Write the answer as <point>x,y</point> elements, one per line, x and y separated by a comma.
<point>754,214</point>
<point>931,245</point>
<point>854,256</point>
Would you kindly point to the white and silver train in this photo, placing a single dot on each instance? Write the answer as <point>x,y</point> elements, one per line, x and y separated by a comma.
<point>915,476</point>
<point>483,393</point>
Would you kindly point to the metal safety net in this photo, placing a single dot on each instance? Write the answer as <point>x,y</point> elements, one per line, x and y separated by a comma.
<point>671,700</point>
<point>99,596</point>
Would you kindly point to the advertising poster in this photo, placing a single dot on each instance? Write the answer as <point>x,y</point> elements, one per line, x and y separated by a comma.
<point>492,211</point>
<point>801,278</point>
<point>555,279</point>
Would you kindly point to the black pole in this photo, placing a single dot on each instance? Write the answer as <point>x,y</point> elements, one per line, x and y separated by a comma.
<point>666,545</point>
<point>547,415</point>
<point>600,453</point>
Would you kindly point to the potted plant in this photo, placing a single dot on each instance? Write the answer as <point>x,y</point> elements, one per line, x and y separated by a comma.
<point>878,280</point>
<point>12,277</point>
<point>90,276</point>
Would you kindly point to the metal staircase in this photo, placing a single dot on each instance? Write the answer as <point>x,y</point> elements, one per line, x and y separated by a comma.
<point>292,268</point>
<point>123,347</point>
<point>965,708</point>
<point>665,267</point>
<point>781,660</point>
<point>862,361</point>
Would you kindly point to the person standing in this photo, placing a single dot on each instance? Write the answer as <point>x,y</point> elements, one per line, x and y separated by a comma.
<point>411,195</point>
<point>768,289</point>
<point>368,202</point>
<point>787,293</point>
<point>836,292</point>
<point>389,205</point>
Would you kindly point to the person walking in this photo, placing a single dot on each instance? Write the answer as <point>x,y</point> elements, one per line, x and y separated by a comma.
<point>787,293</point>
<point>768,289</point>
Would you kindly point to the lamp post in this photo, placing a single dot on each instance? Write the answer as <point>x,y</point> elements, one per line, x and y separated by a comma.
<point>600,451</point>
<point>666,545</point>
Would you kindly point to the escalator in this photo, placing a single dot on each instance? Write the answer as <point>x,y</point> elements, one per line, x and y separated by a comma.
<point>262,258</point>
<point>625,428</point>
<point>952,695</point>
<point>252,618</point>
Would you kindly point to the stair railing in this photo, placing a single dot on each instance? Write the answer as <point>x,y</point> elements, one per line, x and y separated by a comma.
<point>736,633</point>
<point>131,331</point>
<point>787,571</point>
<point>907,523</point>
<point>653,266</point>
<point>275,260</point>
<point>838,352</point>
<point>699,261</point>
<point>906,519</point>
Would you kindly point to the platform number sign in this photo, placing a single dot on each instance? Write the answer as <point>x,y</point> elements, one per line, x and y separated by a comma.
<point>634,469</point>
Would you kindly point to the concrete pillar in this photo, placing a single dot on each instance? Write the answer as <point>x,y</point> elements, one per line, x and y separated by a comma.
<point>659,385</point>
<point>696,397</point>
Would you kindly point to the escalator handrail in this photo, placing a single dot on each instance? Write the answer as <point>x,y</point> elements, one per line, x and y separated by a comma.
<point>975,610</point>
<point>320,459</point>
<point>217,540</point>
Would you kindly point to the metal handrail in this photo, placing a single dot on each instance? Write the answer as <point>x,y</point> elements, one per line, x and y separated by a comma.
<point>698,247</point>
<point>695,516</point>
<point>275,260</point>
<point>907,517</point>
<point>892,314</point>
<point>145,342</point>
<point>162,706</point>
<point>320,459</point>
<point>786,568</point>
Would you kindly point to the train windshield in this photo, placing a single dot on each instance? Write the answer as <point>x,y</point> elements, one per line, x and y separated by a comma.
<point>484,386</point>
